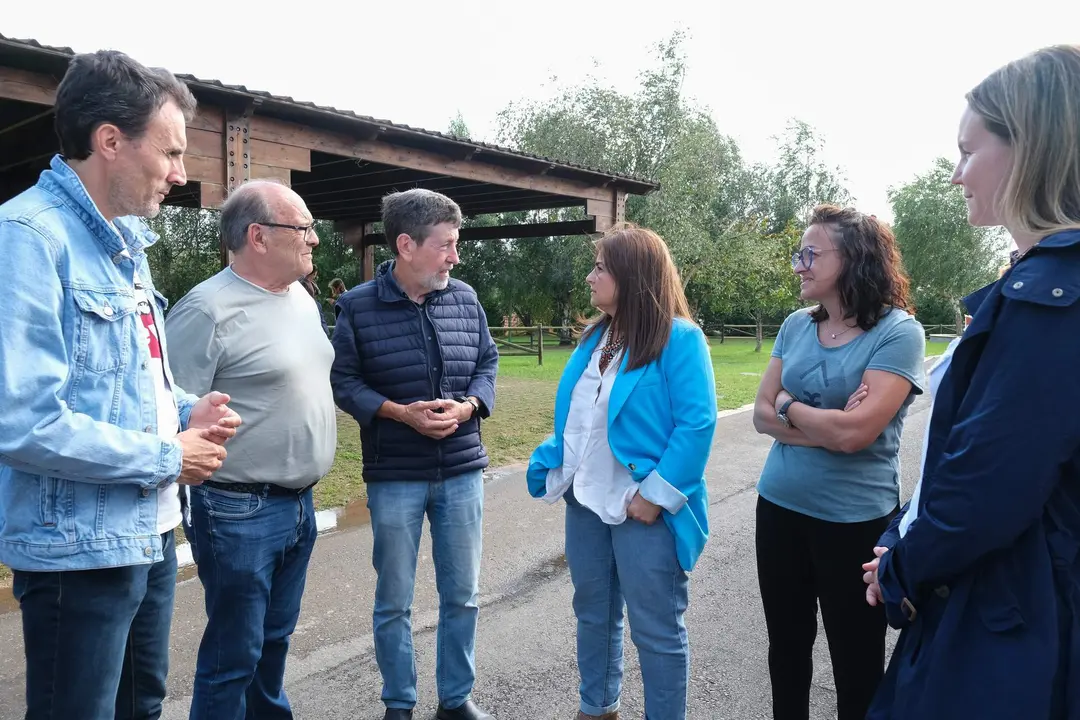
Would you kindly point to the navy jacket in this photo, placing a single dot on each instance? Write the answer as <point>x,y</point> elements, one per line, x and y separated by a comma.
<point>380,355</point>
<point>986,583</point>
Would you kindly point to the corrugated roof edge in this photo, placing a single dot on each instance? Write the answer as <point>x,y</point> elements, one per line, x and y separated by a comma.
<point>643,186</point>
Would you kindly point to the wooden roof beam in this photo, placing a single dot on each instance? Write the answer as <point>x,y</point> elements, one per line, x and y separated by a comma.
<point>369,210</point>
<point>470,194</point>
<point>25,86</point>
<point>537,203</point>
<point>287,133</point>
<point>28,121</point>
<point>509,232</point>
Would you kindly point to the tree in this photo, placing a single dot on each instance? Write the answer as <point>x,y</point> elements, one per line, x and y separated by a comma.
<point>654,133</point>
<point>458,128</point>
<point>800,179</point>
<point>757,272</point>
<point>944,255</point>
<point>187,251</point>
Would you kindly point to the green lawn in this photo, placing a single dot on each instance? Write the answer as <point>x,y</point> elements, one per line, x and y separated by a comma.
<point>524,412</point>
<point>525,409</point>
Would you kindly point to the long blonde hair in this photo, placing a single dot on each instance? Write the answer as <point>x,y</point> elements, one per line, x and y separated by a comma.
<point>1033,104</point>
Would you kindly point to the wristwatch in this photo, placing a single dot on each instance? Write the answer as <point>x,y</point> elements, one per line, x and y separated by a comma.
<point>781,414</point>
<point>476,405</point>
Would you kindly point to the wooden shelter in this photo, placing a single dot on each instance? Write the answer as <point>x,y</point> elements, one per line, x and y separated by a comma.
<point>341,163</point>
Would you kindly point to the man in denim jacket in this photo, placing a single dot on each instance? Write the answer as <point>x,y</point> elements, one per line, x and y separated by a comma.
<point>94,435</point>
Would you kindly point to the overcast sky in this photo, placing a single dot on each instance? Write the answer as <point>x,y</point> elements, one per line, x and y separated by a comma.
<point>883,82</point>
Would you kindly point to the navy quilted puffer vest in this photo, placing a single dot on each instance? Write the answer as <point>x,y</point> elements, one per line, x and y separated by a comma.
<point>380,337</point>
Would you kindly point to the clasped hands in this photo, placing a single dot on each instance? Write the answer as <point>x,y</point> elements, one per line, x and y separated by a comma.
<point>211,424</point>
<point>436,418</point>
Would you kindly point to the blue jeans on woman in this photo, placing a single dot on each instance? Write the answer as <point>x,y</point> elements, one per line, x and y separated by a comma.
<point>632,565</point>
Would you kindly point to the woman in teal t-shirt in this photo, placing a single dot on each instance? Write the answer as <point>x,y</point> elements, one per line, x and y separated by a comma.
<point>834,396</point>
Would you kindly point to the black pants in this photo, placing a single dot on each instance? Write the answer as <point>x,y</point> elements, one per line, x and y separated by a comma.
<point>802,561</point>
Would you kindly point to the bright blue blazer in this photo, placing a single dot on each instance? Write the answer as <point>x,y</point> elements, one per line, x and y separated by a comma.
<point>661,420</point>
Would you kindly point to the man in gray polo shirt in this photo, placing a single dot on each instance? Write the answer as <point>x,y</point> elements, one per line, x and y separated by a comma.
<point>253,332</point>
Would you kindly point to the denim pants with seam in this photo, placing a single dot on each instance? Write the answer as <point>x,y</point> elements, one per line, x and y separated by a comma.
<point>252,552</point>
<point>633,566</point>
<point>454,508</point>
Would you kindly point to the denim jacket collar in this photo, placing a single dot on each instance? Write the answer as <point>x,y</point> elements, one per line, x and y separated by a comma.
<point>125,235</point>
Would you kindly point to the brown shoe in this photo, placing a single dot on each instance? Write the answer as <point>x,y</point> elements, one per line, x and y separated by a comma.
<point>608,716</point>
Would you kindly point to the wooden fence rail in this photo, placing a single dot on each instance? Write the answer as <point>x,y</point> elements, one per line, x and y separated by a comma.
<point>528,339</point>
<point>745,331</point>
<point>508,344</point>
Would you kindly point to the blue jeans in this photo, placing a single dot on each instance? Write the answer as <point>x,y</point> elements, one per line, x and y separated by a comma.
<point>635,565</point>
<point>455,509</point>
<point>97,641</point>
<point>252,552</point>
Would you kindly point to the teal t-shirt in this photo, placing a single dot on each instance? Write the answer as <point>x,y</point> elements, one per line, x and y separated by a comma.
<point>834,486</point>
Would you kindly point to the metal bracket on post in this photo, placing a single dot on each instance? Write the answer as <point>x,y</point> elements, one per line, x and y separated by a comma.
<point>237,158</point>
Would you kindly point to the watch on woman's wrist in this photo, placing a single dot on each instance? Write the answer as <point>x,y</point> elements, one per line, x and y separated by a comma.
<point>782,415</point>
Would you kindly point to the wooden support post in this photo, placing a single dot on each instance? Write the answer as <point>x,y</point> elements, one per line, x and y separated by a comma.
<point>211,195</point>
<point>607,213</point>
<point>237,139</point>
<point>356,238</point>
<point>540,347</point>
<point>367,261</point>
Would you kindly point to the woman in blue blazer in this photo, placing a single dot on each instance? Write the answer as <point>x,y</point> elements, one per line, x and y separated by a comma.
<point>985,582</point>
<point>635,413</point>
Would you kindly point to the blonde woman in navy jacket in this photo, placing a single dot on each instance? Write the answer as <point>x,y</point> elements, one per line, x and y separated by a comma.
<point>634,419</point>
<point>984,584</point>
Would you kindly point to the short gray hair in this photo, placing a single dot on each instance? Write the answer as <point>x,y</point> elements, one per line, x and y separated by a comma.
<point>246,205</point>
<point>415,212</point>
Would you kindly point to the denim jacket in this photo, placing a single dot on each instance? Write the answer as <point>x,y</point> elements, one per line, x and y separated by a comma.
<point>80,459</point>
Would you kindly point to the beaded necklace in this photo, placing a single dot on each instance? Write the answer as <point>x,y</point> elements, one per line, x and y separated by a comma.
<point>608,352</point>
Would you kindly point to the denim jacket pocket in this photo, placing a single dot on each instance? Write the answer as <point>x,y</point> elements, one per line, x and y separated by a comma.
<point>102,328</point>
<point>53,491</point>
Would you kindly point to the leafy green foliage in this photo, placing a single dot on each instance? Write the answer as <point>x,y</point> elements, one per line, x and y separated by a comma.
<point>187,251</point>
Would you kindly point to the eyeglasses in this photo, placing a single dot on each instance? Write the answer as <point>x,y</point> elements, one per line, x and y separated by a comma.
<point>305,229</point>
<point>805,256</point>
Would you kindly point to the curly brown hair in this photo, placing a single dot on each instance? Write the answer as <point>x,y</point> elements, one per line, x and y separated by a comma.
<point>872,278</point>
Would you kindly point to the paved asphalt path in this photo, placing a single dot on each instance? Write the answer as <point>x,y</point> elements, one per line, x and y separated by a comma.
<point>525,645</point>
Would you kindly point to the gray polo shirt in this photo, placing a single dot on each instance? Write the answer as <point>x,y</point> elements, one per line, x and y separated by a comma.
<point>268,351</point>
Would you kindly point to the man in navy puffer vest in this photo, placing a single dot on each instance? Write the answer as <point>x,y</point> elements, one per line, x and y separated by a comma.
<point>416,365</point>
